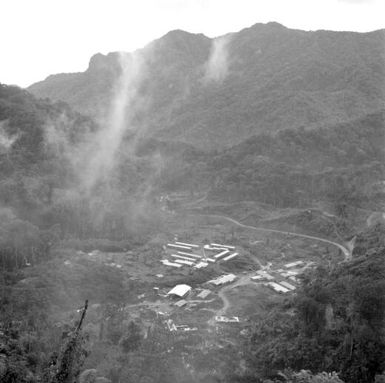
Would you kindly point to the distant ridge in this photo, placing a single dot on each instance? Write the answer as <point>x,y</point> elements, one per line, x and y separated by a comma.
<point>274,78</point>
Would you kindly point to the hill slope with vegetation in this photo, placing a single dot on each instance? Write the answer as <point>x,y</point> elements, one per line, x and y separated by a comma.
<point>215,93</point>
<point>334,323</point>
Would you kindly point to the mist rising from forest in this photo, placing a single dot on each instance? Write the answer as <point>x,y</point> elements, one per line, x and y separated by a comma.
<point>119,121</point>
<point>217,65</point>
<point>6,140</point>
<point>107,174</point>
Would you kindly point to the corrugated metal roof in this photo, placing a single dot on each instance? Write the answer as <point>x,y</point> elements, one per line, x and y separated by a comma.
<point>278,287</point>
<point>288,285</point>
<point>223,279</point>
<point>179,290</point>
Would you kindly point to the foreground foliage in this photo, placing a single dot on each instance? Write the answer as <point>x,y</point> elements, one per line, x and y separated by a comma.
<point>335,323</point>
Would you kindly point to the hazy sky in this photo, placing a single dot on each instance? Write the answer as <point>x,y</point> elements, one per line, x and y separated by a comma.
<point>42,37</point>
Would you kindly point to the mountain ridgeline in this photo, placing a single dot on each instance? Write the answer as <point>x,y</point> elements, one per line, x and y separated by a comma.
<point>214,93</point>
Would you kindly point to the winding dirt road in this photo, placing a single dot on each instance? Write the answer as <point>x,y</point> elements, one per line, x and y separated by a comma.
<point>345,251</point>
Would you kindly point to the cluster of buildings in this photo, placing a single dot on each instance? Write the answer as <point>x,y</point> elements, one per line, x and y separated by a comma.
<point>274,279</point>
<point>181,254</point>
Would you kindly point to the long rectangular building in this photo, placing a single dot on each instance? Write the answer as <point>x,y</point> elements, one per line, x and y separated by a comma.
<point>287,285</point>
<point>223,246</point>
<point>183,262</point>
<point>223,279</point>
<point>293,264</point>
<point>221,254</point>
<point>168,263</point>
<point>183,257</point>
<point>178,247</point>
<point>189,254</point>
<point>231,256</point>
<point>187,244</point>
<point>278,288</point>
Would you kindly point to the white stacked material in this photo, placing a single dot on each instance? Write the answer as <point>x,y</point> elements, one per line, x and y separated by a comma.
<point>223,279</point>
<point>168,263</point>
<point>257,278</point>
<point>171,325</point>
<point>223,246</point>
<point>187,244</point>
<point>293,278</point>
<point>183,257</point>
<point>179,247</point>
<point>287,285</point>
<point>293,264</point>
<point>221,318</point>
<point>231,256</point>
<point>278,288</point>
<point>189,254</point>
<point>221,254</point>
<point>183,262</point>
<point>179,290</point>
<point>201,265</point>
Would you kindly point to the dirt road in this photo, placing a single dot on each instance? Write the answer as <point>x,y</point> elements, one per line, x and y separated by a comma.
<point>345,251</point>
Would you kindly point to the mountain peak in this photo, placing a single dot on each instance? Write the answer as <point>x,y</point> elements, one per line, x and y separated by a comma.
<point>100,62</point>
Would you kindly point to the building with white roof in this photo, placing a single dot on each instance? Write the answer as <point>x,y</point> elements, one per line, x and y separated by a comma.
<point>178,247</point>
<point>183,262</point>
<point>225,246</point>
<point>187,244</point>
<point>277,287</point>
<point>221,318</point>
<point>287,285</point>
<point>223,279</point>
<point>221,254</point>
<point>257,278</point>
<point>172,264</point>
<point>231,256</point>
<point>293,264</point>
<point>180,290</point>
<point>183,257</point>
<point>201,265</point>
<point>181,303</point>
<point>265,275</point>
<point>189,254</point>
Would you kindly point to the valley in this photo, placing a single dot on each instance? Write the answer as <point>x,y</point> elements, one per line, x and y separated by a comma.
<point>211,208</point>
<point>216,326</point>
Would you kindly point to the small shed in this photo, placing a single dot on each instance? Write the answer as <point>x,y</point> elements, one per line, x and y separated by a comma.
<point>203,294</point>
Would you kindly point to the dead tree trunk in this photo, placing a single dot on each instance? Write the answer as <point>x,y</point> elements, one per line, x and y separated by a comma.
<point>68,362</point>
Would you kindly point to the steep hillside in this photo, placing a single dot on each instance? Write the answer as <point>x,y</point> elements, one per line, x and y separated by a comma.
<point>218,92</point>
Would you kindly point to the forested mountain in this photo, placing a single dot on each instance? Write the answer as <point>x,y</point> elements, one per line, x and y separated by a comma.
<point>218,92</point>
<point>286,122</point>
<point>293,167</point>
